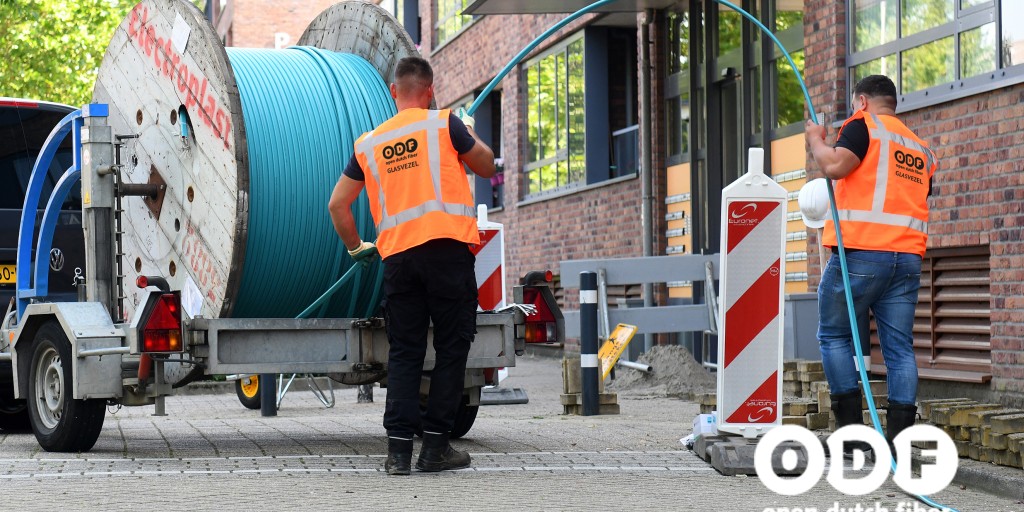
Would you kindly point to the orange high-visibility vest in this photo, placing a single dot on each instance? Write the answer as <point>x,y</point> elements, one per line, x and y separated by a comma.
<point>416,185</point>
<point>883,204</point>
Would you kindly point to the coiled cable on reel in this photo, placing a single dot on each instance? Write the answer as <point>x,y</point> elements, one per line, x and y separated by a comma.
<point>303,109</point>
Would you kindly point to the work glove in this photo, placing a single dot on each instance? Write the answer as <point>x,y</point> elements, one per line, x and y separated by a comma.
<point>466,118</point>
<point>365,251</point>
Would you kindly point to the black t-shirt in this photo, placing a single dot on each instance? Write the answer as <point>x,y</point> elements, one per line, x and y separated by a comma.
<point>461,140</point>
<point>854,137</point>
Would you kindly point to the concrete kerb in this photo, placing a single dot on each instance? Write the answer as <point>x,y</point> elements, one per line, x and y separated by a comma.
<point>993,479</point>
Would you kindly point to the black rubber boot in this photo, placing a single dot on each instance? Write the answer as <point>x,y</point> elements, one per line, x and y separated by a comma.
<point>399,456</point>
<point>848,410</point>
<point>898,417</point>
<point>438,455</point>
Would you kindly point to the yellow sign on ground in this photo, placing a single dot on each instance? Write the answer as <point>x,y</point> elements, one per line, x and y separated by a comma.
<point>612,349</point>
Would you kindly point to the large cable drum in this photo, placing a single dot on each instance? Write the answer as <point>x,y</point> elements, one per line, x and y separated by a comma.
<point>244,141</point>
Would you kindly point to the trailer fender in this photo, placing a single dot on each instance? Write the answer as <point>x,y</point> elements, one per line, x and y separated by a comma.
<point>88,327</point>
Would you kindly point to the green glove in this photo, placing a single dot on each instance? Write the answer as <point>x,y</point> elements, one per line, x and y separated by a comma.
<point>364,251</point>
<point>466,118</point>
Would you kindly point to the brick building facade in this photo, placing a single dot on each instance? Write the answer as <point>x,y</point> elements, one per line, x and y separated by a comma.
<point>971,320</point>
<point>261,24</point>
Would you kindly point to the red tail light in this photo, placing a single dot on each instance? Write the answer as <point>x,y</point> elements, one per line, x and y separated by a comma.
<point>541,326</point>
<point>162,331</point>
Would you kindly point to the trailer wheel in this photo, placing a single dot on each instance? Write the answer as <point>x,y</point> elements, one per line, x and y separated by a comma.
<point>60,423</point>
<point>464,419</point>
<point>465,416</point>
<point>248,391</point>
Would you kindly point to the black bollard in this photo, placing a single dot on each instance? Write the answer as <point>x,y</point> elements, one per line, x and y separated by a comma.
<point>588,342</point>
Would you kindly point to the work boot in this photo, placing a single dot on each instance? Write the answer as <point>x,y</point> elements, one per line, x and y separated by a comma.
<point>898,417</point>
<point>399,456</point>
<point>438,455</point>
<point>848,411</point>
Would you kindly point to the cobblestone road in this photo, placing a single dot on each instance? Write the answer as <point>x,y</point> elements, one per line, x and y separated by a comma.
<point>211,453</point>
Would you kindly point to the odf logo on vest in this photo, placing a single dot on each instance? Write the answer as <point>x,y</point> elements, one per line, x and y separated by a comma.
<point>935,475</point>
<point>400,148</point>
<point>909,160</point>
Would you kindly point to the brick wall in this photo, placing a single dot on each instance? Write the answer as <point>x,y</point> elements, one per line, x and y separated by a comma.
<point>978,190</point>
<point>977,197</point>
<point>599,222</point>
<point>255,22</point>
<point>825,73</point>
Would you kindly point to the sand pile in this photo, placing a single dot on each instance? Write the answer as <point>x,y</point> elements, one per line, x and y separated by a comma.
<point>676,373</point>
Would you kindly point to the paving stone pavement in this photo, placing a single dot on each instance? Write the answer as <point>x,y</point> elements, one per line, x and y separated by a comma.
<point>211,453</point>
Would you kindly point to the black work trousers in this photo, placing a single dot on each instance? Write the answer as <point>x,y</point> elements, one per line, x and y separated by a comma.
<point>433,282</point>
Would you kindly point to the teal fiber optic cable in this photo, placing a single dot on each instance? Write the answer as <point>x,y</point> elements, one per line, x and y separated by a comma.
<point>303,108</point>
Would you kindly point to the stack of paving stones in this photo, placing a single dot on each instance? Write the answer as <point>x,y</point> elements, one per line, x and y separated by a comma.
<point>984,432</point>
<point>806,399</point>
<point>572,392</point>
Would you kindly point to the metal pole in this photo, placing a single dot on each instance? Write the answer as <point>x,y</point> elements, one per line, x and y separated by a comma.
<point>365,394</point>
<point>646,368</point>
<point>646,159</point>
<point>268,394</point>
<point>588,342</point>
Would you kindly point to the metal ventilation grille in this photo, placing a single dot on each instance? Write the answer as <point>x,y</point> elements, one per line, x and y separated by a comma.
<point>952,324</point>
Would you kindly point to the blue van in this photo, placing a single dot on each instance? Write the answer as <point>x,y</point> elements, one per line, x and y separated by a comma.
<point>24,127</point>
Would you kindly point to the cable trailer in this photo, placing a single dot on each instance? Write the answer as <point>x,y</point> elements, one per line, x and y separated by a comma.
<point>164,157</point>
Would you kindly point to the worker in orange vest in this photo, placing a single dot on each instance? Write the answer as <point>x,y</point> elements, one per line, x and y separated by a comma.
<point>882,174</point>
<point>412,168</point>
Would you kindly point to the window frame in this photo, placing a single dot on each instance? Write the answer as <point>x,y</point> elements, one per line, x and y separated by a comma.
<point>561,154</point>
<point>677,87</point>
<point>964,20</point>
<point>436,42</point>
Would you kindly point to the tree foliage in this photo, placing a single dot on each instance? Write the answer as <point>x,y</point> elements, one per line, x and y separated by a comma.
<point>51,49</point>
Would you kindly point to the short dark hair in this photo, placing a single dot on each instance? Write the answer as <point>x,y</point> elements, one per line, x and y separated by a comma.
<point>414,67</point>
<point>877,86</point>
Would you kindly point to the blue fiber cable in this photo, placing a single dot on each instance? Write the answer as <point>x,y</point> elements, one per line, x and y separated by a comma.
<point>839,240</point>
<point>303,108</point>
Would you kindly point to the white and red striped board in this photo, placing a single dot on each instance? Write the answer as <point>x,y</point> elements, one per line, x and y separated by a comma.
<point>751,283</point>
<point>490,263</point>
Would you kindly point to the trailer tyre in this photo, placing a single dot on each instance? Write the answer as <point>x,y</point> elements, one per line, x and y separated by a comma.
<point>248,391</point>
<point>465,416</point>
<point>464,419</point>
<point>60,423</point>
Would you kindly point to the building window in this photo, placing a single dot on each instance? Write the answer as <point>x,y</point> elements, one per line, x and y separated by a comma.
<point>556,149</point>
<point>1012,47</point>
<point>487,191</point>
<point>677,91</point>
<point>934,50</point>
<point>450,20</point>
<point>789,28</point>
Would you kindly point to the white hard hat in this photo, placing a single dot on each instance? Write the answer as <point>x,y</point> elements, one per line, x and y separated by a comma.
<point>813,201</point>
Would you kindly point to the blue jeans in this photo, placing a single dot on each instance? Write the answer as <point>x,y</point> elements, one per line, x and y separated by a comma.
<point>887,283</point>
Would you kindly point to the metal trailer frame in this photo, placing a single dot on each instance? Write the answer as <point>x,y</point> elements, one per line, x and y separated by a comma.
<point>106,352</point>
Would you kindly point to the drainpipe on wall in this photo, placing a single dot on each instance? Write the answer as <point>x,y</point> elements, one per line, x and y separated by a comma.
<point>646,160</point>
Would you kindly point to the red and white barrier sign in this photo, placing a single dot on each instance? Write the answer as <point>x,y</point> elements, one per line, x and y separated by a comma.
<point>490,263</point>
<point>751,281</point>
